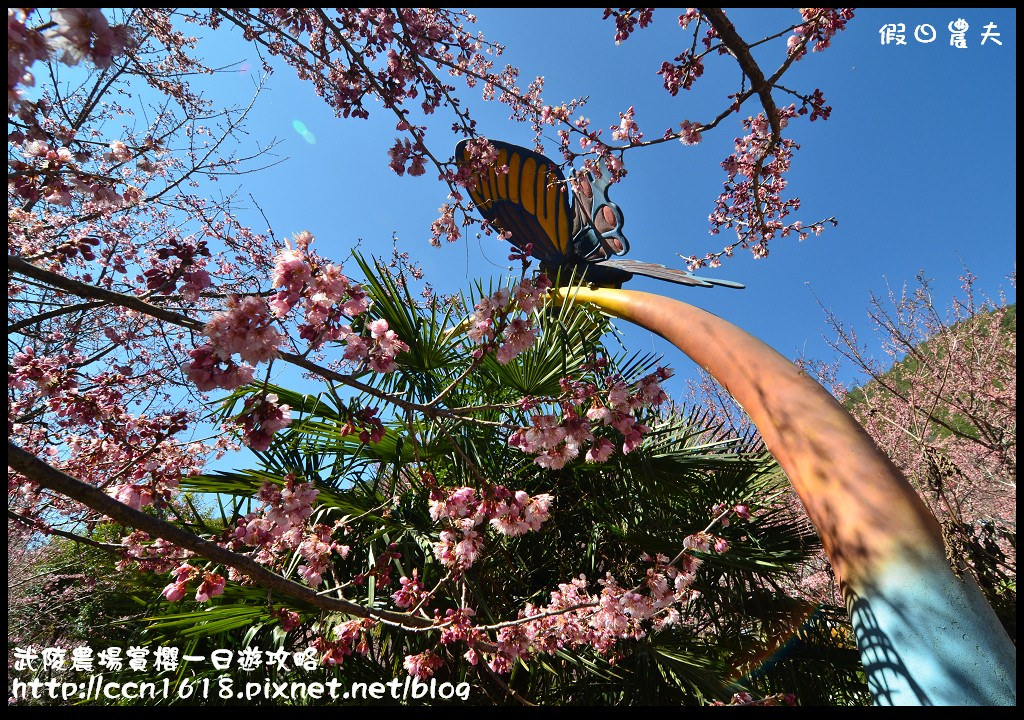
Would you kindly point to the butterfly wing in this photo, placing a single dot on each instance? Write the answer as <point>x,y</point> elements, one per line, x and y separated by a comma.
<point>661,272</point>
<point>597,220</point>
<point>530,201</point>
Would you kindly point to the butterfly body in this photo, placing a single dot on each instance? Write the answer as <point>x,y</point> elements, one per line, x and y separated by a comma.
<point>573,244</point>
<point>600,274</point>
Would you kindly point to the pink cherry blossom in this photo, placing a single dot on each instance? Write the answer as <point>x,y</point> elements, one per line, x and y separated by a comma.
<point>175,591</point>
<point>245,328</point>
<point>211,586</point>
<point>519,335</point>
<point>85,33</point>
<point>601,450</point>
<point>422,666</point>
<point>410,592</point>
<point>260,418</point>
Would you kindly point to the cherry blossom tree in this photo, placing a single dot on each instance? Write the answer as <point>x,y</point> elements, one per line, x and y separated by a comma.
<point>136,292</point>
<point>943,404</point>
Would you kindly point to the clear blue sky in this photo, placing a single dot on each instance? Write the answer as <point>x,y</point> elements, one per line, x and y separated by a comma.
<point>917,162</point>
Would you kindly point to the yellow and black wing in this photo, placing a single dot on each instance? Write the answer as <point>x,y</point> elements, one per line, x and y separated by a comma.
<point>530,201</point>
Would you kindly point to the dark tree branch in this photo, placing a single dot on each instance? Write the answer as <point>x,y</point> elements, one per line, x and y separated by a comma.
<point>52,479</point>
<point>741,51</point>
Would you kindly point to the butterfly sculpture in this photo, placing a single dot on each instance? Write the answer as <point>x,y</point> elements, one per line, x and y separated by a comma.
<point>531,203</point>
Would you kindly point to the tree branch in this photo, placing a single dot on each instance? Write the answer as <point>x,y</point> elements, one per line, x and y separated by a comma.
<point>741,51</point>
<point>52,479</point>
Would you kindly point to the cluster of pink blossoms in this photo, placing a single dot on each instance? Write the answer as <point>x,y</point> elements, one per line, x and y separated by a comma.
<point>329,299</point>
<point>148,478</point>
<point>509,513</point>
<point>177,259</point>
<point>689,132</point>
<point>380,350</point>
<point>325,292</point>
<point>456,626</point>
<point>752,202</point>
<point>78,33</point>
<point>210,585</point>
<point>445,225</point>
<point>208,370</point>
<point>410,592</point>
<point>820,25</point>
<point>626,20</point>
<point>134,496</point>
<point>49,172</point>
<point>315,549</point>
<point>480,157</point>
<point>282,519</point>
<point>289,619</point>
<point>351,637</point>
<point>158,556</point>
<point>260,418</point>
<point>627,130</point>
<point>404,153</point>
<point>423,665</point>
<point>244,328</point>
<point>50,374</point>
<point>494,311</point>
<point>24,47</point>
<point>576,617</point>
<point>85,33</point>
<point>132,456</point>
<point>683,75</point>
<point>281,527</point>
<point>557,442</point>
<point>366,423</point>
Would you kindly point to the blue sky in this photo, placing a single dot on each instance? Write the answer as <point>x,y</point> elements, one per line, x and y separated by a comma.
<point>917,162</point>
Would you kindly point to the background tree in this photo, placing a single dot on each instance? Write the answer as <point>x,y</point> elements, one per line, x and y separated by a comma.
<point>943,404</point>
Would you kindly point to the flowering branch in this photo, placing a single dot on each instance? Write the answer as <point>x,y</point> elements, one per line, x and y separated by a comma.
<point>52,479</point>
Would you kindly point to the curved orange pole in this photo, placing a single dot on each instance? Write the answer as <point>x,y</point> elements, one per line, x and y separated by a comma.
<point>925,635</point>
